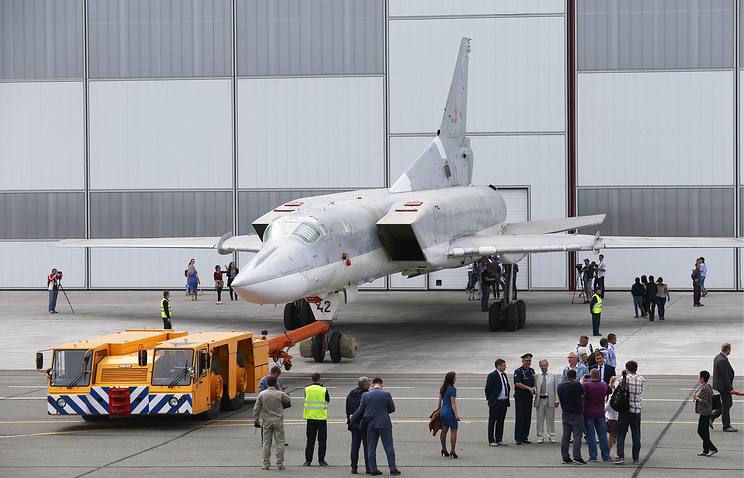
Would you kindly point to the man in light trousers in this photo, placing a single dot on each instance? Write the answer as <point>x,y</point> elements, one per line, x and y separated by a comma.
<point>269,408</point>
<point>546,401</point>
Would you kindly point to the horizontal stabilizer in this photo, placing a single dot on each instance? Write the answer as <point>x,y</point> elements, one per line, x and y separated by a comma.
<point>553,225</point>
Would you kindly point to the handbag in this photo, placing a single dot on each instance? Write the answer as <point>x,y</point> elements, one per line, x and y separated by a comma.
<point>435,423</point>
<point>717,410</point>
<point>620,400</point>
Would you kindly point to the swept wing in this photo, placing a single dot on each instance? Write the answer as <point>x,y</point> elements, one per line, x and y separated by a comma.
<point>224,245</point>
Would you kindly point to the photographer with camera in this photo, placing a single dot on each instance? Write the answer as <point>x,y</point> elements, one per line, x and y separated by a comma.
<point>588,276</point>
<point>53,281</point>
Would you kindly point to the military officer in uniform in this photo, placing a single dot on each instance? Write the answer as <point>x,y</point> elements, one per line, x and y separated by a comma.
<point>524,390</point>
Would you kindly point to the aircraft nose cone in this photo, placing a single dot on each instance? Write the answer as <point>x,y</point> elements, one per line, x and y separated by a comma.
<point>253,288</point>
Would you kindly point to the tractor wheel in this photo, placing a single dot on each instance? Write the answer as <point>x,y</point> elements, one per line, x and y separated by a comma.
<point>216,386</point>
<point>511,318</point>
<point>319,349</point>
<point>290,312</point>
<point>494,316</point>
<point>334,346</point>
<point>306,314</point>
<point>241,383</point>
<point>521,313</point>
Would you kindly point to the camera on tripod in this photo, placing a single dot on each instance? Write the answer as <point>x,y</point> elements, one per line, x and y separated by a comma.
<point>579,268</point>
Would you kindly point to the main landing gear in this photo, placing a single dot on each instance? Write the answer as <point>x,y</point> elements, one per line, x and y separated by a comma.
<point>505,313</point>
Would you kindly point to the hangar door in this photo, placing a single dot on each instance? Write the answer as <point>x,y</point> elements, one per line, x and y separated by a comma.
<point>517,201</point>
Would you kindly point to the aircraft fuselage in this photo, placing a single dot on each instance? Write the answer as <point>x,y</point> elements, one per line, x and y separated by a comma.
<point>317,245</point>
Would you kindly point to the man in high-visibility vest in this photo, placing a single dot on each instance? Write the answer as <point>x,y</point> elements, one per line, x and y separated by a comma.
<point>165,310</point>
<point>596,308</point>
<point>316,414</point>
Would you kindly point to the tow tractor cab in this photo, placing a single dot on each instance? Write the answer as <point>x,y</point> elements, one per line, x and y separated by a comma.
<point>152,372</point>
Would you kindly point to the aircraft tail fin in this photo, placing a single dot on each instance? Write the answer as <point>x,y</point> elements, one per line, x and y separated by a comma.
<point>448,160</point>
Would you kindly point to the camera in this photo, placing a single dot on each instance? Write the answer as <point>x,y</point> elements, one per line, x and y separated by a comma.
<point>59,274</point>
<point>579,268</point>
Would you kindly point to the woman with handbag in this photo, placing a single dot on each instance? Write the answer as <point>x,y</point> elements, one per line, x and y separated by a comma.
<point>219,284</point>
<point>704,407</point>
<point>448,413</point>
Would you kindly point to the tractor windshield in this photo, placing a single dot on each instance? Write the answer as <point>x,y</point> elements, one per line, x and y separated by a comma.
<point>69,368</point>
<point>172,367</point>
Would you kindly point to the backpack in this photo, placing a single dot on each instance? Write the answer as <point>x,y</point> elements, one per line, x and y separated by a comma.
<point>591,360</point>
<point>620,400</point>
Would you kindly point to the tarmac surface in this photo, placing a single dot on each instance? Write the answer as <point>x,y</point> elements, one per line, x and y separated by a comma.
<point>410,339</point>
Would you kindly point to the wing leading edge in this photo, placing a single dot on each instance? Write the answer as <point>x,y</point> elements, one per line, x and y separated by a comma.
<point>472,246</point>
<point>224,245</point>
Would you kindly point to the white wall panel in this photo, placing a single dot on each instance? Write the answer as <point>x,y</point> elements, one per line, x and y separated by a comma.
<point>42,135</point>
<point>311,132</point>
<point>160,134</point>
<point>376,284</point>
<point>27,265</point>
<point>152,268</point>
<point>472,7</point>
<point>674,265</point>
<point>399,281</point>
<point>655,128</point>
<point>516,75</point>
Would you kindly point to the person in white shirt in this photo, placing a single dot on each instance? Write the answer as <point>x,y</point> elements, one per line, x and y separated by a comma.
<point>601,270</point>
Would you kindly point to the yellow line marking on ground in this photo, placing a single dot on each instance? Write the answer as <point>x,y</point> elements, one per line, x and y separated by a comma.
<point>247,423</point>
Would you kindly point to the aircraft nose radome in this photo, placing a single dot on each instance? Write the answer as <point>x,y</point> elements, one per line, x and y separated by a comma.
<point>272,291</point>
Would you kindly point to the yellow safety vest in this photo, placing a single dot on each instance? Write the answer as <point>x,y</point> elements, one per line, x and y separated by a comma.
<point>316,407</point>
<point>597,308</point>
<point>162,308</point>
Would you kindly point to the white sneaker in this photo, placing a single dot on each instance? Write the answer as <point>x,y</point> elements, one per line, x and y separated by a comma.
<point>552,440</point>
<point>540,440</point>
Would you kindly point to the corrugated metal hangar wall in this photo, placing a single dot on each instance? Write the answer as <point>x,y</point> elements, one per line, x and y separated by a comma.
<point>159,118</point>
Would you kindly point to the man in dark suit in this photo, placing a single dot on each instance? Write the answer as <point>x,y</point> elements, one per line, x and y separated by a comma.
<point>497,393</point>
<point>606,371</point>
<point>723,381</point>
<point>374,411</point>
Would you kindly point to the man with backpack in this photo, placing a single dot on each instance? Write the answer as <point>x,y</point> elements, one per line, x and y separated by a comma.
<point>631,418</point>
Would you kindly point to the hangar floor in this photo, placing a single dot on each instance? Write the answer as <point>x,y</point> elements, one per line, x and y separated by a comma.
<point>408,338</point>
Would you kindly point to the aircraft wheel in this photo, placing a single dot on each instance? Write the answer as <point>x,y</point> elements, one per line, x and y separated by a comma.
<point>511,318</point>
<point>306,314</point>
<point>521,313</point>
<point>319,349</point>
<point>290,312</point>
<point>494,316</point>
<point>334,346</point>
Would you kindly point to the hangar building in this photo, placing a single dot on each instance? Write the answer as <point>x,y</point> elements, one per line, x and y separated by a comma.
<point>162,118</point>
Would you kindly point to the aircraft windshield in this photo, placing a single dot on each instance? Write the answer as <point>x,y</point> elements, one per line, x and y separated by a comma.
<point>307,233</point>
<point>277,229</point>
<point>67,368</point>
<point>171,367</point>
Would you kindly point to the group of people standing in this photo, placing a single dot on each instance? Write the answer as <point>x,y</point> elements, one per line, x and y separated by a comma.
<point>699,272</point>
<point>648,296</point>
<point>593,277</point>
<point>368,409</point>
<point>582,391</point>
<point>193,281</point>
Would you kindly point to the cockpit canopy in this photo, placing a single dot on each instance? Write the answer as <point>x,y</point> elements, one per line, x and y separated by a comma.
<point>305,231</point>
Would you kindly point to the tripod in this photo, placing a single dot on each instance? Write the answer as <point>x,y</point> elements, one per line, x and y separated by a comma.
<point>65,293</point>
<point>579,285</point>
